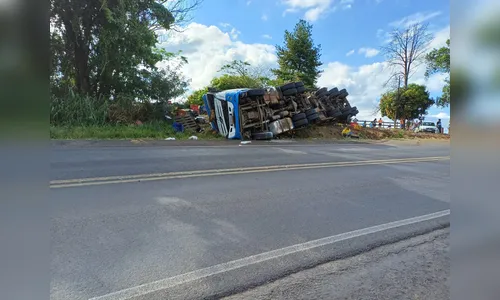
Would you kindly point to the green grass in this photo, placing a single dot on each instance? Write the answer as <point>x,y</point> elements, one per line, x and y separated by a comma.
<point>156,130</point>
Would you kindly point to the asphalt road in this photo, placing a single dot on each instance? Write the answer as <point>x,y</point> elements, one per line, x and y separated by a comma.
<point>416,268</point>
<point>200,236</point>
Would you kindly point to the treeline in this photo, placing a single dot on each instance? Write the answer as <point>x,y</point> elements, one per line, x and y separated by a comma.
<point>103,66</point>
<point>299,59</point>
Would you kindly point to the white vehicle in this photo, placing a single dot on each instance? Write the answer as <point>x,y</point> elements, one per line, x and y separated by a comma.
<point>427,127</point>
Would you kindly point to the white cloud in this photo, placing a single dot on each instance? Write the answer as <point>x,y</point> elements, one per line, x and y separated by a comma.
<point>368,52</point>
<point>441,115</point>
<point>350,53</point>
<point>208,48</point>
<point>346,4</point>
<point>264,17</point>
<point>314,8</point>
<point>249,2</point>
<point>267,36</point>
<point>365,84</point>
<point>414,19</point>
<point>225,25</point>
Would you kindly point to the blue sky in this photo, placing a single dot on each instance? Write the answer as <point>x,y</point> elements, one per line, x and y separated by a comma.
<point>222,30</point>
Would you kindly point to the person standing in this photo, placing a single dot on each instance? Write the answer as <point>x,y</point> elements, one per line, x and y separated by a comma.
<point>439,126</point>
<point>380,123</point>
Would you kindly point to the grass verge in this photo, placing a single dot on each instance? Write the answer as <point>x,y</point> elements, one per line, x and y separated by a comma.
<point>145,131</point>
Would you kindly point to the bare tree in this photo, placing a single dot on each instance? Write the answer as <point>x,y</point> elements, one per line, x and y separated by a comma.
<point>406,51</point>
<point>181,11</point>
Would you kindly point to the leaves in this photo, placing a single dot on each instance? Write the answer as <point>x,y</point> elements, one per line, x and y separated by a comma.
<point>196,97</point>
<point>439,61</point>
<point>106,48</point>
<point>299,58</point>
<point>412,101</point>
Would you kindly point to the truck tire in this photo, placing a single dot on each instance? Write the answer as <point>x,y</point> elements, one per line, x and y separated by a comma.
<point>290,92</point>
<point>265,135</point>
<point>299,84</point>
<point>287,86</point>
<point>343,93</point>
<point>301,89</point>
<point>313,118</point>
<point>300,123</point>
<point>298,117</point>
<point>321,92</point>
<point>310,112</point>
<point>333,113</point>
<point>256,92</point>
<point>333,92</point>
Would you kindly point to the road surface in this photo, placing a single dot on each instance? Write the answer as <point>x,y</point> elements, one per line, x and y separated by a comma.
<point>179,222</point>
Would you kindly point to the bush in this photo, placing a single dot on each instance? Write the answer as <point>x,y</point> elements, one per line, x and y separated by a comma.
<point>77,110</point>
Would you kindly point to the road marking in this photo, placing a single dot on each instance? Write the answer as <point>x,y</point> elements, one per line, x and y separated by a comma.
<point>166,283</point>
<point>217,172</point>
<point>290,151</point>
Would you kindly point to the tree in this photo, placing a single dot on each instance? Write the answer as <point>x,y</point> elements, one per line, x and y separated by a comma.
<point>107,48</point>
<point>438,61</point>
<point>415,97</point>
<point>196,96</point>
<point>227,82</point>
<point>406,51</point>
<point>299,58</point>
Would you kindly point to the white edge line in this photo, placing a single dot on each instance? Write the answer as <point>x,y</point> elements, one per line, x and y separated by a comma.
<point>254,259</point>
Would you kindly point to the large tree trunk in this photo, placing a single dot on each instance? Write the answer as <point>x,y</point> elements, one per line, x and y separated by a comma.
<point>82,70</point>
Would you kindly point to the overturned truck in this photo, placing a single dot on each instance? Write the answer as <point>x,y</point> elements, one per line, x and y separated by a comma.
<point>263,114</point>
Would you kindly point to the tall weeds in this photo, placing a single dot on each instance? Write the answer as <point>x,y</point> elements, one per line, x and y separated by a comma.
<point>76,110</point>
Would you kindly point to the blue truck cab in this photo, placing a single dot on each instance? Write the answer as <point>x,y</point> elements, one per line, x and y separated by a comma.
<point>223,112</point>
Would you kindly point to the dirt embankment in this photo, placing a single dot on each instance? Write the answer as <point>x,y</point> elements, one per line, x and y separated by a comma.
<point>335,132</point>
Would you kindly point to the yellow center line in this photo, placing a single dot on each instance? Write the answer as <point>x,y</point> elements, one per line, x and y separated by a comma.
<point>243,170</point>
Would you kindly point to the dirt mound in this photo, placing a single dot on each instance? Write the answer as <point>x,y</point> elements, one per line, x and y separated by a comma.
<point>330,131</point>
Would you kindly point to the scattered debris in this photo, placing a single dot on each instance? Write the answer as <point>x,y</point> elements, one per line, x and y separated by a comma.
<point>178,127</point>
<point>170,139</point>
<point>193,137</point>
<point>245,142</point>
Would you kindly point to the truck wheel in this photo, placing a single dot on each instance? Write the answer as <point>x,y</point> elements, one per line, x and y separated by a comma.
<point>290,92</point>
<point>256,92</point>
<point>301,89</point>
<point>333,113</point>
<point>333,92</point>
<point>300,123</point>
<point>287,86</point>
<point>343,93</point>
<point>299,84</point>
<point>310,112</point>
<point>265,135</point>
<point>321,92</point>
<point>299,117</point>
<point>313,117</point>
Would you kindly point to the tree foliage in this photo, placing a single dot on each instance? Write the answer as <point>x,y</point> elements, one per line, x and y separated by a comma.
<point>299,58</point>
<point>438,61</point>
<point>236,74</point>
<point>413,100</point>
<point>107,48</point>
<point>406,51</point>
<point>196,97</point>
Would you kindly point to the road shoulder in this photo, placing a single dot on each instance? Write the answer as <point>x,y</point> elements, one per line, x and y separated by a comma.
<point>417,268</point>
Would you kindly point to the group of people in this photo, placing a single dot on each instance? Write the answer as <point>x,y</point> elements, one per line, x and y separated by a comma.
<point>373,123</point>
<point>412,125</point>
